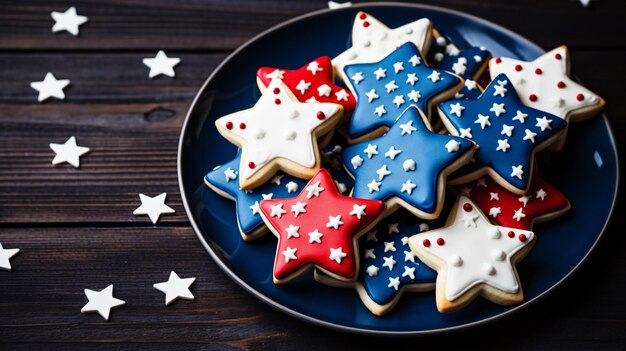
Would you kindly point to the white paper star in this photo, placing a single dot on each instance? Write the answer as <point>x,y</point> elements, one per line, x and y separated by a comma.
<point>5,255</point>
<point>50,87</point>
<point>161,64</point>
<point>175,288</point>
<point>154,207</point>
<point>68,21</point>
<point>68,152</point>
<point>101,302</point>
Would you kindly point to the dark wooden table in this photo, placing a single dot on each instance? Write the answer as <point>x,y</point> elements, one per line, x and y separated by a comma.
<point>76,228</point>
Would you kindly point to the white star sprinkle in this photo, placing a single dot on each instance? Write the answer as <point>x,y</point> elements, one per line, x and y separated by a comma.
<point>414,95</point>
<point>292,187</point>
<point>483,121</point>
<point>434,77</point>
<point>382,172</point>
<point>392,153</point>
<point>409,272</point>
<point>407,128</point>
<point>456,109</point>
<point>389,262</point>
<point>507,130</point>
<point>466,132</point>
<point>315,237</point>
<point>334,222</point>
<point>503,145</point>
<point>337,254</point>
<point>500,90</point>
<point>371,95</point>
<point>373,186</point>
<point>529,135</point>
<point>358,211</point>
<point>544,123</point>
<point>411,78</point>
<point>292,231</point>
<point>154,207</point>
<point>394,283</point>
<point>415,60</point>
<point>519,116</point>
<point>303,86</point>
<point>371,150</point>
<point>409,255</point>
<point>298,208</point>
<point>541,194</point>
<point>380,110</point>
<point>314,190</point>
<point>380,73</point>
<point>517,171</point>
<point>314,67</point>
<point>389,246</point>
<point>498,109</point>
<point>290,254</point>
<point>519,214</point>
<point>494,196</point>
<point>277,211</point>
<point>398,66</point>
<point>452,146</point>
<point>494,212</point>
<point>372,271</point>
<point>391,86</point>
<point>408,186</point>
<point>357,77</point>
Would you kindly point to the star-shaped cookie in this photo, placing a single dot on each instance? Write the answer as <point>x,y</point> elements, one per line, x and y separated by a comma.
<point>468,64</point>
<point>319,228</point>
<point>372,40</point>
<point>312,82</point>
<point>542,202</point>
<point>278,133</point>
<point>386,88</point>
<point>544,84</point>
<point>507,132</point>
<point>473,257</point>
<point>407,166</point>
<point>388,266</point>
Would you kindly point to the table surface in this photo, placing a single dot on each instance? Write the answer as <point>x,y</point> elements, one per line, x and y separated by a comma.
<point>76,229</point>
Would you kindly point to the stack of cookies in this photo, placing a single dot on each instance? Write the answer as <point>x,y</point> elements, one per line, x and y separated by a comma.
<point>351,175</point>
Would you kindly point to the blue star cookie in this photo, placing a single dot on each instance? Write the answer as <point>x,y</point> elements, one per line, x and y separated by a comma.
<point>388,266</point>
<point>407,166</point>
<point>386,88</point>
<point>224,180</point>
<point>468,64</point>
<point>507,132</point>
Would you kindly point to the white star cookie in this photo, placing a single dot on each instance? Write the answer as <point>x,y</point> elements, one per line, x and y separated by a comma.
<point>545,84</point>
<point>473,257</point>
<point>372,40</point>
<point>278,133</point>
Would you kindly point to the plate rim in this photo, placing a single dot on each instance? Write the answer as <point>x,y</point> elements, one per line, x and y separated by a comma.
<point>301,316</point>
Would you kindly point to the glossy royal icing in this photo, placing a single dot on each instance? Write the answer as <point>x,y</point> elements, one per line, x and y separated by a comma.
<point>506,131</point>
<point>319,227</point>
<point>407,165</point>
<point>388,87</point>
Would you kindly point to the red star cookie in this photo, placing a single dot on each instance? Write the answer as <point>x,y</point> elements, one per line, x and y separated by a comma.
<point>312,82</point>
<point>542,202</point>
<point>319,228</point>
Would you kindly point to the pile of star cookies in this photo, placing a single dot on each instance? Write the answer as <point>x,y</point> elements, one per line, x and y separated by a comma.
<point>351,175</point>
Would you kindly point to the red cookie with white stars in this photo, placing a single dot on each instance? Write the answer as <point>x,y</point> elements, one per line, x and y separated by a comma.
<point>319,228</point>
<point>542,203</point>
<point>312,82</point>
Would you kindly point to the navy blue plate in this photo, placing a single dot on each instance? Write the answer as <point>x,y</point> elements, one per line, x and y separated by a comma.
<point>586,171</point>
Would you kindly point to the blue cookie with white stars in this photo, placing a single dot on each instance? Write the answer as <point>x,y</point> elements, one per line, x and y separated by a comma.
<point>384,89</point>
<point>388,266</point>
<point>469,63</point>
<point>507,132</point>
<point>407,166</point>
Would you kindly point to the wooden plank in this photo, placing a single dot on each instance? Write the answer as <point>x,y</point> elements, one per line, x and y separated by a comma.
<point>41,298</point>
<point>132,125</point>
<point>224,25</point>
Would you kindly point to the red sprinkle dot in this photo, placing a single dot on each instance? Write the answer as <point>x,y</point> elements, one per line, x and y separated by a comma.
<point>251,165</point>
<point>580,97</point>
<point>522,238</point>
<point>277,101</point>
<point>511,234</point>
<point>440,241</point>
<point>498,60</point>
<point>532,97</point>
<point>242,126</point>
<point>518,67</point>
<point>229,125</point>
<point>362,15</point>
<point>426,242</point>
<point>557,56</point>
<point>538,71</point>
<point>320,115</point>
<point>467,207</point>
<point>366,24</point>
<point>561,85</point>
<point>276,90</point>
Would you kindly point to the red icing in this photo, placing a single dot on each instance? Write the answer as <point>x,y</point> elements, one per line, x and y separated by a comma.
<point>498,60</point>
<point>251,165</point>
<point>467,207</point>
<point>320,115</point>
<point>518,67</point>
<point>509,202</point>
<point>580,97</point>
<point>538,71</point>
<point>366,24</point>
<point>522,238</point>
<point>242,126</point>
<point>426,242</point>
<point>511,234</point>
<point>560,84</point>
<point>318,208</point>
<point>440,241</point>
<point>229,125</point>
<point>532,97</point>
<point>557,56</point>
<point>291,78</point>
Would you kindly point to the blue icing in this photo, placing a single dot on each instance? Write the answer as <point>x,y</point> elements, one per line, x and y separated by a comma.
<point>466,63</point>
<point>393,236</point>
<point>247,219</point>
<point>519,151</point>
<point>395,91</point>
<point>427,149</point>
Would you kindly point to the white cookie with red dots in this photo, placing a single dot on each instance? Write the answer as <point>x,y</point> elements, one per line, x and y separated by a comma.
<point>372,41</point>
<point>278,133</point>
<point>545,84</point>
<point>473,257</point>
